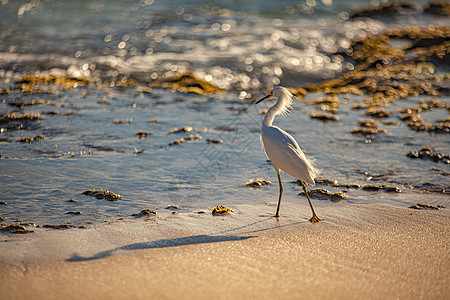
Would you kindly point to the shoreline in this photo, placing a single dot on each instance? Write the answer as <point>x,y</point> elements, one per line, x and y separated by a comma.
<point>369,251</point>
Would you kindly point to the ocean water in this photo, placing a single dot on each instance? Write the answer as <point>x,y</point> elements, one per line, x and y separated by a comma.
<point>244,47</point>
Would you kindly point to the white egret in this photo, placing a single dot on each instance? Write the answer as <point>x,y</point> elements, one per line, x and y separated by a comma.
<point>282,149</point>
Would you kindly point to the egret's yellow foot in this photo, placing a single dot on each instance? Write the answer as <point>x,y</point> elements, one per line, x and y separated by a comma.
<point>314,219</point>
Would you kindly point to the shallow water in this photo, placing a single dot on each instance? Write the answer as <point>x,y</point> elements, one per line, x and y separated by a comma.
<point>38,179</point>
<point>261,46</point>
<point>246,45</point>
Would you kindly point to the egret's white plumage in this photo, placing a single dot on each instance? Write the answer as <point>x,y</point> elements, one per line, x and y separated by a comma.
<point>282,149</point>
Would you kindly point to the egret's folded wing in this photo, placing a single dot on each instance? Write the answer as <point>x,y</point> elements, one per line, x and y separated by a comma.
<point>285,154</point>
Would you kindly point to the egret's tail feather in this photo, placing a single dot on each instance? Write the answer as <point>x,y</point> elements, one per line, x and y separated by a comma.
<point>312,170</point>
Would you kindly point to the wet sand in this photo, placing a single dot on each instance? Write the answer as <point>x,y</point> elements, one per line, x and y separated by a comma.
<point>356,252</point>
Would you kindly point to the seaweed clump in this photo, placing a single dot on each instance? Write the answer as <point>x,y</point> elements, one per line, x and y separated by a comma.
<point>386,72</point>
<point>30,140</point>
<point>142,134</point>
<point>323,194</point>
<point>429,153</point>
<point>14,228</point>
<point>66,82</point>
<point>426,206</point>
<point>378,112</point>
<point>376,188</point>
<point>324,116</point>
<point>172,207</point>
<point>74,213</point>
<point>385,10</point>
<point>13,117</point>
<point>177,142</point>
<point>214,141</point>
<point>34,102</point>
<point>192,137</point>
<point>100,195</point>
<point>47,84</point>
<point>333,183</point>
<point>221,210</point>
<point>432,188</point>
<point>188,83</point>
<point>329,104</point>
<point>145,212</point>
<point>441,172</point>
<point>442,126</point>
<point>368,129</point>
<point>258,182</point>
<point>412,117</point>
<point>59,226</point>
<point>117,121</point>
<point>439,8</point>
<point>183,129</point>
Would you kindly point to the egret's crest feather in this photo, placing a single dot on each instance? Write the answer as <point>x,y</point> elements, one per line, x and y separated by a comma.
<point>285,100</point>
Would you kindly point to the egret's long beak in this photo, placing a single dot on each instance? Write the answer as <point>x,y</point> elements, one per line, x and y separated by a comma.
<point>262,99</point>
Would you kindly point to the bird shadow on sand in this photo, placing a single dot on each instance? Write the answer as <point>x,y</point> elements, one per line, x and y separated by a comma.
<point>164,243</point>
<point>188,240</point>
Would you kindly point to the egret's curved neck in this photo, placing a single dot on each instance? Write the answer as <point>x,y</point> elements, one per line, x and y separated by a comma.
<point>270,115</point>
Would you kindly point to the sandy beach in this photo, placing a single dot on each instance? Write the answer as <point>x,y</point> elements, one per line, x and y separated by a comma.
<point>356,252</point>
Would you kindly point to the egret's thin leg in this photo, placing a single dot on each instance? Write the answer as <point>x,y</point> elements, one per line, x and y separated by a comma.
<point>314,218</point>
<point>281,194</point>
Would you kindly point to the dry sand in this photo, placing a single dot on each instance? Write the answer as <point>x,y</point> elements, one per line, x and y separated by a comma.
<point>356,252</point>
